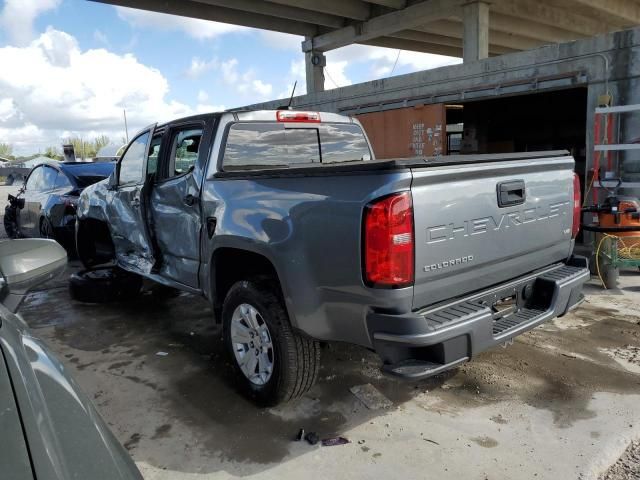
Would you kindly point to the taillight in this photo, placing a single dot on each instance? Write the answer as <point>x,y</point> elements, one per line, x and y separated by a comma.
<point>293,116</point>
<point>388,242</point>
<point>70,203</point>
<point>577,206</point>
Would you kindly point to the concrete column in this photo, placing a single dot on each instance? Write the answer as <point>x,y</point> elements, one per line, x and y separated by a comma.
<point>476,31</point>
<point>315,63</point>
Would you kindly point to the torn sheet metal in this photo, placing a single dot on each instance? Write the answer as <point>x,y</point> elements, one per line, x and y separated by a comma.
<point>122,210</point>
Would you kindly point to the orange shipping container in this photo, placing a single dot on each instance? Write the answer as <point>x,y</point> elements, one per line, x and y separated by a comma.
<point>407,132</point>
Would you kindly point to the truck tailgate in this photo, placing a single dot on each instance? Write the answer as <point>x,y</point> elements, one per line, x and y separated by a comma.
<point>480,224</point>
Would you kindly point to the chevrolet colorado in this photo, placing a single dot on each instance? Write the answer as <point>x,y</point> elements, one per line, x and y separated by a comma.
<point>296,234</point>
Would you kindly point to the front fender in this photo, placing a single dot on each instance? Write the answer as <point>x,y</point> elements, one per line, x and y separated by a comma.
<point>93,202</point>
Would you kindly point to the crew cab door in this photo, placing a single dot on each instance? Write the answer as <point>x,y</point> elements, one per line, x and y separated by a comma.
<point>32,188</point>
<point>127,210</point>
<point>175,201</point>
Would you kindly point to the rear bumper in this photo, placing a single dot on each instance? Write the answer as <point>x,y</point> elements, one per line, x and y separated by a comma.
<point>427,342</point>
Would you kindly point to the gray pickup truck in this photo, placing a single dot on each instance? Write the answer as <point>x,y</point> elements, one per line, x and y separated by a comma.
<point>297,235</point>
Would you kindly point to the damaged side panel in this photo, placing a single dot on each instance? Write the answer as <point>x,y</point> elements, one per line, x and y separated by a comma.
<point>123,209</point>
<point>128,230</point>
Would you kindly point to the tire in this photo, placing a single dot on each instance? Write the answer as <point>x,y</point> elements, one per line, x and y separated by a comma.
<point>610,276</point>
<point>11,222</point>
<point>295,359</point>
<point>46,229</point>
<point>104,285</point>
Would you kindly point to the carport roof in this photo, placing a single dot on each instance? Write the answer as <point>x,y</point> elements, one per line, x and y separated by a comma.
<point>433,26</point>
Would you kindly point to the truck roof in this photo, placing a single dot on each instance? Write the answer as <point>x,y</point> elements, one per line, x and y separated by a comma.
<point>264,116</point>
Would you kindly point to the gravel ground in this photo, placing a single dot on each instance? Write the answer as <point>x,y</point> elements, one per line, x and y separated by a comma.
<point>627,467</point>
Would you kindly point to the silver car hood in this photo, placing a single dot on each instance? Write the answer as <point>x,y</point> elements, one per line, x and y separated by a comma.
<point>65,436</point>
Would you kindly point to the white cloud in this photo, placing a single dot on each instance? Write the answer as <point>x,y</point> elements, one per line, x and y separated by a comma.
<point>245,82</point>
<point>196,28</point>
<point>296,74</point>
<point>100,37</point>
<point>61,90</point>
<point>17,18</point>
<point>282,41</point>
<point>203,96</point>
<point>262,88</point>
<point>199,66</point>
<point>7,109</point>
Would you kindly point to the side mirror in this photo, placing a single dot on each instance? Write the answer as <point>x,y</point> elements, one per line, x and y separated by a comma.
<point>25,264</point>
<point>112,183</point>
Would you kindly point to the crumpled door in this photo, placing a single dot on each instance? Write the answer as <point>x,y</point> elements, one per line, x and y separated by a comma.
<point>128,208</point>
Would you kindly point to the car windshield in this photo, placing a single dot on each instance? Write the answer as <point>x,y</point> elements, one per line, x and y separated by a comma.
<point>89,173</point>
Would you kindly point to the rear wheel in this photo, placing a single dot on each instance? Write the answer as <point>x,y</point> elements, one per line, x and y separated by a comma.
<point>46,229</point>
<point>11,222</point>
<point>104,285</point>
<point>274,363</point>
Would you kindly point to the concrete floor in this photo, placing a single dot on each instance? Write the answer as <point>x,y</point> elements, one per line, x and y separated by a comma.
<point>562,402</point>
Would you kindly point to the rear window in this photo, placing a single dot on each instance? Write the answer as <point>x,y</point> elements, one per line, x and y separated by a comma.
<point>343,143</point>
<point>89,173</point>
<point>255,145</point>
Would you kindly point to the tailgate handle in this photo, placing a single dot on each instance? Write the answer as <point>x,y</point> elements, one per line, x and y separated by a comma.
<point>511,193</point>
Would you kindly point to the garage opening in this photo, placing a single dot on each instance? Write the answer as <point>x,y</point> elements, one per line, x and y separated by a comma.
<point>543,121</point>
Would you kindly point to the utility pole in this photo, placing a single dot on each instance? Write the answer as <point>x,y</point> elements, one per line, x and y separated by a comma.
<point>126,129</point>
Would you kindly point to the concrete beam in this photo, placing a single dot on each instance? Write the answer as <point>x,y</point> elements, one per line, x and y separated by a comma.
<point>404,44</point>
<point>314,69</point>
<point>530,28</point>
<point>193,9</point>
<point>280,11</point>
<point>476,31</point>
<point>395,4</point>
<point>454,30</point>
<point>625,13</point>
<point>449,41</point>
<point>383,25</point>
<point>562,18</point>
<point>353,9</point>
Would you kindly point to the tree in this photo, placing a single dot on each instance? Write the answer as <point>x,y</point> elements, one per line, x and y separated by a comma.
<point>6,149</point>
<point>87,149</point>
<point>53,153</point>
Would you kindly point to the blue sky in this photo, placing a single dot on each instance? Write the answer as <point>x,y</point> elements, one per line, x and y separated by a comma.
<point>76,64</point>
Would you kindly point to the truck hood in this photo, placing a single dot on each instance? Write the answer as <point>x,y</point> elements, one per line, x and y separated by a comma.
<point>65,435</point>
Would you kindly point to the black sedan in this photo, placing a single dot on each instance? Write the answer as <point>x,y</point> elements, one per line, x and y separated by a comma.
<point>46,205</point>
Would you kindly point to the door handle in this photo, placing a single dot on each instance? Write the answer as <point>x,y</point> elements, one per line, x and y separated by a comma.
<point>190,200</point>
<point>511,193</point>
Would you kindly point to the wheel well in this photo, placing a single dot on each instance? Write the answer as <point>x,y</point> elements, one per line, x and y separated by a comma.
<point>230,265</point>
<point>94,243</point>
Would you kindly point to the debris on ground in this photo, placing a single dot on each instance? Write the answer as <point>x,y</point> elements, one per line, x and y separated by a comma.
<point>162,354</point>
<point>431,441</point>
<point>628,357</point>
<point>371,397</point>
<point>627,466</point>
<point>312,438</point>
<point>300,435</point>
<point>332,442</point>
